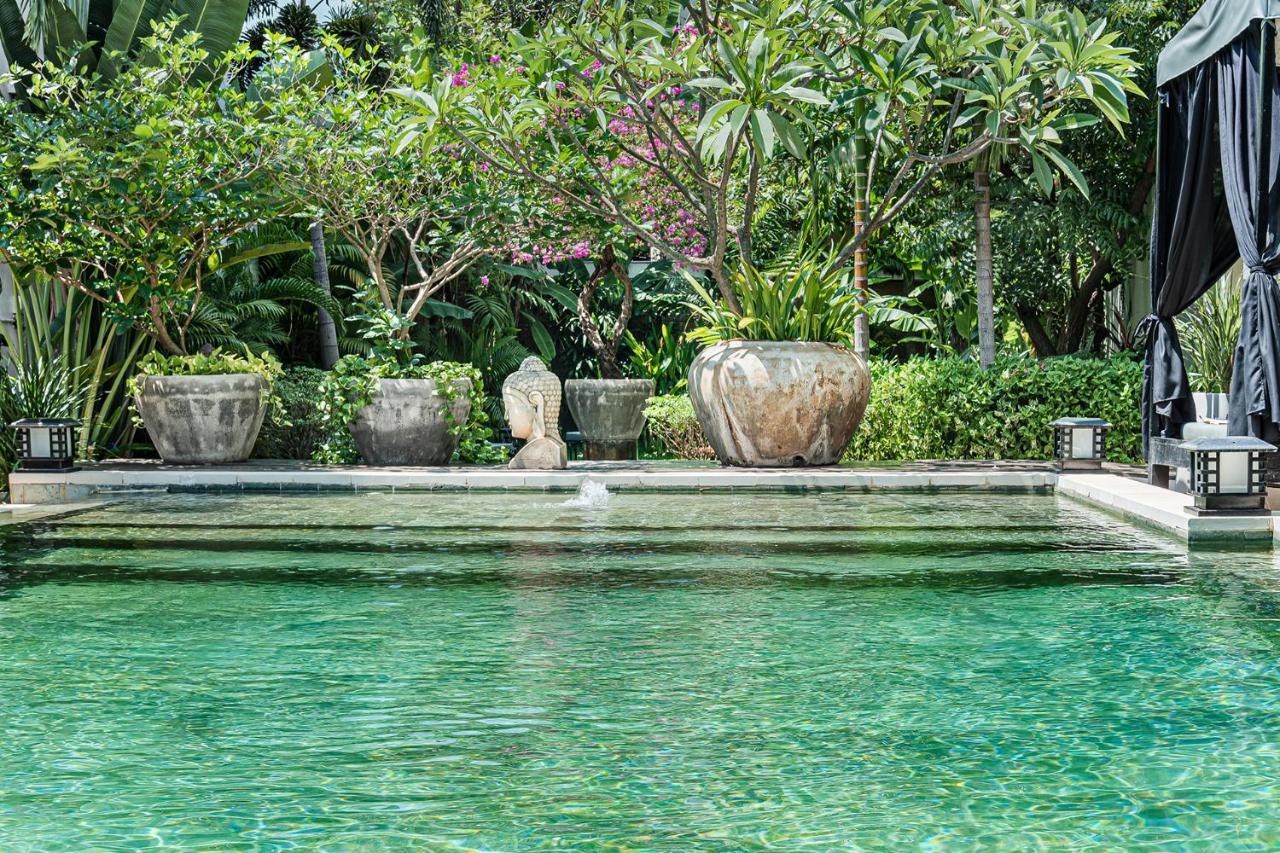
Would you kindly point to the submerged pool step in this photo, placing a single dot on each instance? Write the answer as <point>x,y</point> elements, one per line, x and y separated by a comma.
<point>947,542</point>
<point>525,573</point>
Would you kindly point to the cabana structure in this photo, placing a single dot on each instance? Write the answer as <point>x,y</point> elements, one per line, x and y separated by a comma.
<point>1216,203</point>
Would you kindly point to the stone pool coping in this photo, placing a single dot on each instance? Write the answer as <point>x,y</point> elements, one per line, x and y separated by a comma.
<point>34,487</point>
<point>1118,490</point>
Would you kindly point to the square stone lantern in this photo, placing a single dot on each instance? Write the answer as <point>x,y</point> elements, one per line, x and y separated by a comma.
<point>46,445</point>
<point>1228,475</point>
<point>1080,444</point>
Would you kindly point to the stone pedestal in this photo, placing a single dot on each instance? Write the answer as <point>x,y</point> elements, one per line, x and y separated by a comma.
<point>609,414</point>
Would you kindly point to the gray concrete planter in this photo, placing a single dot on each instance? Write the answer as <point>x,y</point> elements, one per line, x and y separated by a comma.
<point>405,423</point>
<point>766,404</point>
<point>609,414</point>
<point>203,420</point>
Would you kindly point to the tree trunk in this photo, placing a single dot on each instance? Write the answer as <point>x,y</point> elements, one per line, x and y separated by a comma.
<point>160,329</point>
<point>861,323</point>
<point>983,264</point>
<point>327,328</point>
<point>606,350</point>
<point>1040,340</point>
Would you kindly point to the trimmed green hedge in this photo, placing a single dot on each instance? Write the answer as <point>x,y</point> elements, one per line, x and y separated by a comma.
<point>673,428</point>
<point>953,409</point>
<point>299,391</point>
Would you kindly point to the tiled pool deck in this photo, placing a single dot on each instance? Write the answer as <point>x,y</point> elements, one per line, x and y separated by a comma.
<point>1120,489</point>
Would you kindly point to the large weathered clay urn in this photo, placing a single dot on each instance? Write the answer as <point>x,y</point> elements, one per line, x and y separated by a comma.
<point>770,404</point>
<point>609,414</point>
<point>203,420</point>
<point>405,423</point>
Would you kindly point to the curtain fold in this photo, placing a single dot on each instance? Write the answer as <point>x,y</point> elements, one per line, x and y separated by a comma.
<point>1255,381</point>
<point>1192,241</point>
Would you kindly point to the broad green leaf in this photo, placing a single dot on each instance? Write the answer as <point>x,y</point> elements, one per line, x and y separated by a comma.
<point>561,294</point>
<point>762,133</point>
<point>808,96</point>
<point>790,136</point>
<point>1044,176</point>
<point>67,35</point>
<point>266,250</point>
<point>1069,169</point>
<point>542,339</point>
<point>219,22</point>
<point>130,23</point>
<point>13,36</point>
<point>709,83</point>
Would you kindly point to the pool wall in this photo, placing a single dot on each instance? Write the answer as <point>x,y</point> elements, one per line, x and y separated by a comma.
<point>1122,495</point>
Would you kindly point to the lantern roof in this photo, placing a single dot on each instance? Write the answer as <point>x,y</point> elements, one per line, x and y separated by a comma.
<point>45,423</point>
<point>1228,444</point>
<point>1081,423</point>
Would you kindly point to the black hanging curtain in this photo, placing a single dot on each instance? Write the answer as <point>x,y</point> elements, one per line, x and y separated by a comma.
<point>1214,206</point>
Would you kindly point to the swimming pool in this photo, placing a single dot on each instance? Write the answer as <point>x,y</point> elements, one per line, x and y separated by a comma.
<point>673,672</point>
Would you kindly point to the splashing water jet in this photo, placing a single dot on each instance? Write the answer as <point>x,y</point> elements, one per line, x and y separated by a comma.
<point>591,495</point>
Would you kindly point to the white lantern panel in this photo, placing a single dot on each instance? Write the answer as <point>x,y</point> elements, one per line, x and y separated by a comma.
<point>40,445</point>
<point>1233,473</point>
<point>1082,444</point>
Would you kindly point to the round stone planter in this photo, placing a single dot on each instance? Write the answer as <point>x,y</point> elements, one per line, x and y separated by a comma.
<point>609,414</point>
<point>405,423</point>
<point>203,420</point>
<point>770,404</point>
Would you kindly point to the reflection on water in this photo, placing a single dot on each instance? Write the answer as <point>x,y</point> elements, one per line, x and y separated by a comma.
<point>667,672</point>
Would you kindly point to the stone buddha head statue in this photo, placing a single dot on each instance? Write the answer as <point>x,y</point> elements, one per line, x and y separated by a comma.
<point>531,399</point>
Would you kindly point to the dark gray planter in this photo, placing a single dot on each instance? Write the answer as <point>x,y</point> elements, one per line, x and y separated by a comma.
<point>203,420</point>
<point>609,414</point>
<point>405,423</point>
<point>783,404</point>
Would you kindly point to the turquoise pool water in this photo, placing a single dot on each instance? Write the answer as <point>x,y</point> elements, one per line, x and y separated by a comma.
<point>675,672</point>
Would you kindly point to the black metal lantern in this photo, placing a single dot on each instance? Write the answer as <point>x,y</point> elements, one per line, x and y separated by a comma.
<point>46,445</point>
<point>1228,475</point>
<point>1080,444</point>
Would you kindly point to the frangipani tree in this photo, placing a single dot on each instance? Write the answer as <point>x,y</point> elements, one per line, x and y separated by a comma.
<point>434,205</point>
<point>710,104</point>
<point>590,111</point>
<point>132,190</point>
<point>925,85</point>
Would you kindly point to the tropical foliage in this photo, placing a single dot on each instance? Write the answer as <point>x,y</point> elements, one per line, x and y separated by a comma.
<point>131,192</point>
<point>101,36</point>
<point>441,191</point>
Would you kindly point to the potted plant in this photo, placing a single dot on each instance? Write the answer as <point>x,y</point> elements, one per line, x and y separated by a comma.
<point>204,409</point>
<point>386,413</point>
<point>391,407</point>
<point>609,411</point>
<point>778,384</point>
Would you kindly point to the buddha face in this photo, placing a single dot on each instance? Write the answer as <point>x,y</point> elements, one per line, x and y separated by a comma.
<point>520,413</point>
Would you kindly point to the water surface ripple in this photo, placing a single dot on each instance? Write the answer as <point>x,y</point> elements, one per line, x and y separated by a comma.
<point>673,672</point>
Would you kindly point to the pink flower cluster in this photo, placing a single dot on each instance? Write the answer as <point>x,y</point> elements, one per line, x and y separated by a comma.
<point>648,195</point>
<point>552,253</point>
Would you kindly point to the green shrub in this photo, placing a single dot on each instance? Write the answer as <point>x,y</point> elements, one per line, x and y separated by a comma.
<point>675,428</point>
<point>952,409</point>
<point>213,363</point>
<point>299,391</point>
